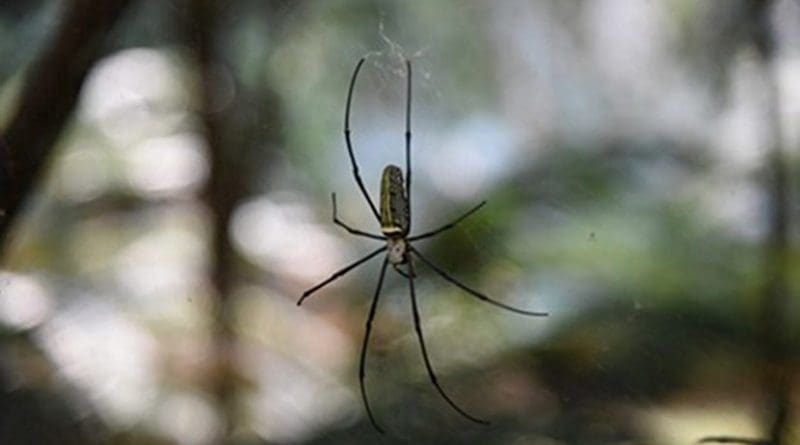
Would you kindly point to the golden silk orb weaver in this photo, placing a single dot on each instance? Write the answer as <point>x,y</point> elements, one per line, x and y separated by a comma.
<point>394,218</point>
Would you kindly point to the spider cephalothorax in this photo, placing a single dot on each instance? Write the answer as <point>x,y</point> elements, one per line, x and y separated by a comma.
<point>395,221</point>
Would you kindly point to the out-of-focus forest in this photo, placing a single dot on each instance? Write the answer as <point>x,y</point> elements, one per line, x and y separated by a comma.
<point>165,179</point>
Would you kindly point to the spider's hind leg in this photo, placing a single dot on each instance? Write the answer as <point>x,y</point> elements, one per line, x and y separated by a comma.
<point>351,230</point>
<point>349,142</point>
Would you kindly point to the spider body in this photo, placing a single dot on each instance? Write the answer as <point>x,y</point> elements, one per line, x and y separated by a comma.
<point>394,219</point>
<point>396,251</point>
<point>394,214</point>
<point>394,203</point>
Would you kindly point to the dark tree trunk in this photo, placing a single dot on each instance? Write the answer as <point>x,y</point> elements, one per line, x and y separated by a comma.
<point>48,98</point>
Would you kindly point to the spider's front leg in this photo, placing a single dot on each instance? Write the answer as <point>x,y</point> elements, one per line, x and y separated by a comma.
<point>470,290</point>
<point>339,273</point>
<point>362,363</point>
<point>403,273</point>
<point>424,349</point>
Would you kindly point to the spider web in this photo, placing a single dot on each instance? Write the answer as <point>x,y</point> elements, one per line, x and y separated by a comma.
<point>387,64</point>
<point>389,61</point>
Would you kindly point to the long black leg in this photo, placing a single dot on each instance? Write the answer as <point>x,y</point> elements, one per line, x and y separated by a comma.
<point>363,361</point>
<point>408,137</point>
<point>727,439</point>
<point>400,271</point>
<point>449,225</point>
<point>353,231</point>
<point>428,366</point>
<point>338,274</point>
<point>473,292</point>
<point>350,144</point>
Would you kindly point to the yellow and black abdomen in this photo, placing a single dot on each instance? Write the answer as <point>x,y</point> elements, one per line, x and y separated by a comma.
<point>394,203</point>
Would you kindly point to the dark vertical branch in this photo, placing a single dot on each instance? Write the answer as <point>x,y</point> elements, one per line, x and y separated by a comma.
<point>48,98</point>
<point>221,196</point>
<point>774,302</point>
<point>241,131</point>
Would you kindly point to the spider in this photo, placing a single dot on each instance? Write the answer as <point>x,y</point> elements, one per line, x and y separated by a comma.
<point>394,218</point>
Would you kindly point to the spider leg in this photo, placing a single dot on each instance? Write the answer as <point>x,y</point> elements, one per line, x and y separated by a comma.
<point>350,144</point>
<point>338,274</point>
<point>449,225</point>
<point>408,135</point>
<point>471,291</point>
<point>353,231</point>
<point>401,271</point>
<point>428,366</point>
<point>363,361</point>
<point>727,439</point>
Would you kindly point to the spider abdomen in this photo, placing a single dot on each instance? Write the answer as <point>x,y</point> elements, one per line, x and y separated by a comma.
<point>394,203</point>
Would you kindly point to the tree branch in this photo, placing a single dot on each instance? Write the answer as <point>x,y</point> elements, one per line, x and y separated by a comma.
<point>48,98</point>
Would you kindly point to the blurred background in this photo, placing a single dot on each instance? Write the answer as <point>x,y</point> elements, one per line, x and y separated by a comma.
<point>167,166</point>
